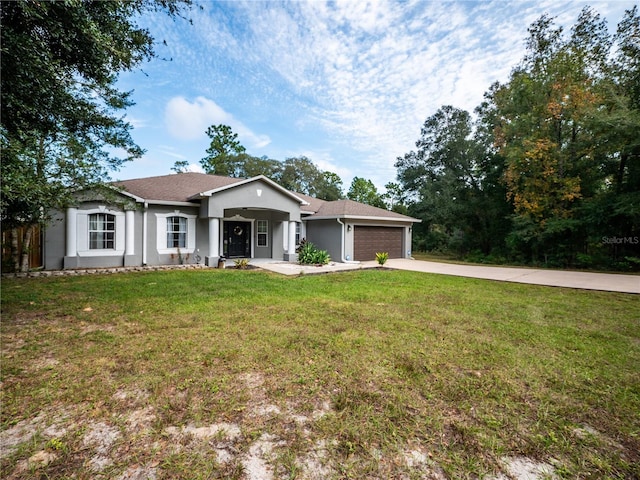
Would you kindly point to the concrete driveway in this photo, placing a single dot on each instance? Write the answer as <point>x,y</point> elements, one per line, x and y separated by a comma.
<point>610,282</point>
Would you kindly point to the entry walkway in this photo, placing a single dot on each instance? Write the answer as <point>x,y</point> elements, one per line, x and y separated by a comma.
<point>610,282</point>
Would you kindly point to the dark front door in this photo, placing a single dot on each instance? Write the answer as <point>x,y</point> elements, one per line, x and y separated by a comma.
<point>237,237</point>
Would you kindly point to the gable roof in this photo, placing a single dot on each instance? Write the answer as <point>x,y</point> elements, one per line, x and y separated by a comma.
<point>189,187</point>
<point>177,187</point>
<point>245,181</point>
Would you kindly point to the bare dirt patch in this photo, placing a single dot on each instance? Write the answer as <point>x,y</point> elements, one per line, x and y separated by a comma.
<point>105,444</point>
<point>49,424</point>
<point>99,439</point>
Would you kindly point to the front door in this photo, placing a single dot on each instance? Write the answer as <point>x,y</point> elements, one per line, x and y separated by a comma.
<point>237,236</point>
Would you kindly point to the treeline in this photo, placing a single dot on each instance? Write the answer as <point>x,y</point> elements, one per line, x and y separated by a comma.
<point>226,156</point>
<point>547,170</point>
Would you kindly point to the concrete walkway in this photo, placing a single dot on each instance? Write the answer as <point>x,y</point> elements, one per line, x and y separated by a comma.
<point>611,282</point>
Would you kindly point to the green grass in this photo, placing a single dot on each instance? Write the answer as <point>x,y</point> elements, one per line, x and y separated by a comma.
<point>376,363</point>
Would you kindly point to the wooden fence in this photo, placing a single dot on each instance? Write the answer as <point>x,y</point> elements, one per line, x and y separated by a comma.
<point>35,253</point>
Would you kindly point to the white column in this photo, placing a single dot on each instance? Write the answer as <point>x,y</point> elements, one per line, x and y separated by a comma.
<point>214,237</point>
<point>144,233</point>
<point>72,234</point>
<point>291,250</point>
<point>129,226</point>
<point>285,236</point>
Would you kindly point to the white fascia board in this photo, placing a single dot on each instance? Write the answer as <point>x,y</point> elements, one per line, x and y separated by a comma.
<point>267,180</point>
<point>117,190</point>
<point>366,218</point>
<point>130,195</point>
<point>174,203</point>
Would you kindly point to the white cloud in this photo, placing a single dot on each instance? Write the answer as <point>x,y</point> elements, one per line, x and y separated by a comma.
<point>135,121</point>
<point>187,120</point>
<point>363,75</point>
<point>171,152</point>
<point>193,167</point>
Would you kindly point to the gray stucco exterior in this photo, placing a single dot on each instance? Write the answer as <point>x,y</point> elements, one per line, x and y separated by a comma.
<point>327,235</point>
<point>254,218</point>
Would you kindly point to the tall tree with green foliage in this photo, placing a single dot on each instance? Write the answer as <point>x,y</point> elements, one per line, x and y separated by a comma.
<point>223,153</point>
<point>60,109</point>
<point>566,125</point>
<point>551,168</point>
<point>330,187</point>
<point>395,198</point>
<point>448,180</point>
<point>299,174</point>
<point>254,166</point>
<point>364,191</point>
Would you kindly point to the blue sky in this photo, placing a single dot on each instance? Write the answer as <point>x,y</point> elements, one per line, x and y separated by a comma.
<point>347,84</point>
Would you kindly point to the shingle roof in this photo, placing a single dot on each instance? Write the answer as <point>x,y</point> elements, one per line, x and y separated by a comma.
<point>182,187</point>
<point>176,187</point>
<point>349,208</point>
<point>314,203</point>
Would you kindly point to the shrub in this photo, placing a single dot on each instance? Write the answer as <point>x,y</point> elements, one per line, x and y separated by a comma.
<point>309,254</point>
<point>382,257</point>
<point>241,263</point>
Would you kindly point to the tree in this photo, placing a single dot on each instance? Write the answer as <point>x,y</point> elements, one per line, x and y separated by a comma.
<point>449,182</point>
<point>567,125</point>
<point>299,174</point>
<point>254,166</point>
<point>223,152</point>
<point>364,191</point>
<point>180,166</point>
<point>330,187</point>
<point>395,198</point>
<point>59,105</point>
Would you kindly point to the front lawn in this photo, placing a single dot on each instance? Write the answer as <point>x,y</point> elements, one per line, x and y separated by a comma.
<point>365,374</point>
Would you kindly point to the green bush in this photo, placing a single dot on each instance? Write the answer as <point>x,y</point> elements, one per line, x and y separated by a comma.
<point>241,263</point>
<point>309,254</point>
<point>382,257</point>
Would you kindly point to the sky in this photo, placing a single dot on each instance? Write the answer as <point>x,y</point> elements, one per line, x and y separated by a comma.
<point>348,84</point>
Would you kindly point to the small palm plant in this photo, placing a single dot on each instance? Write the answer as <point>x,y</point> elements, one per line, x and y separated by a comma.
<point>241,263</point>
<point>382,257</point>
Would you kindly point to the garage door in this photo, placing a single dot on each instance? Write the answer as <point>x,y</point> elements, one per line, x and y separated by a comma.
<point>367,241</point>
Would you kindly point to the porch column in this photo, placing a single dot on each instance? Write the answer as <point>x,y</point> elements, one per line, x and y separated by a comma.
<point>292,239</point>
<point>72,234</point>
<point>129,232</point>
<point>291,247</point>
<point>129,239</point>
<point>214,242</point>
<point>71,259</point>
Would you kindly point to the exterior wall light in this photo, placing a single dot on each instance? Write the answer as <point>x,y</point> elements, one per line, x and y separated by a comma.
<point>259,192</point>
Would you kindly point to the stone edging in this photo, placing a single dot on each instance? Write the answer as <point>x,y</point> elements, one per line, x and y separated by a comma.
<point>103,271</point>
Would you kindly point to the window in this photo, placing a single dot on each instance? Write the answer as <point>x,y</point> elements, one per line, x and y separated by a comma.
<point>263,230</point>
<point>176,232</point>
<point>298,225</point>
<point>102,231</point>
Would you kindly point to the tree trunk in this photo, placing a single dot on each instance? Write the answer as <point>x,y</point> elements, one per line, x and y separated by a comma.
<point>26,248</point>
<point>620,176</point>
<point>15,253</point>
